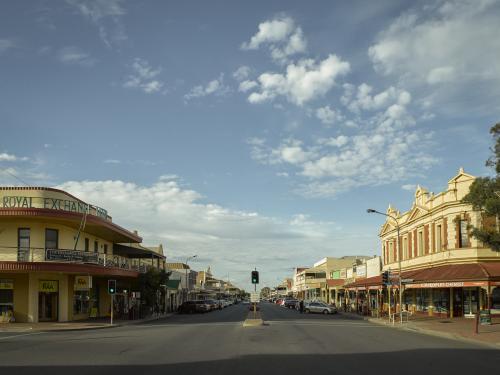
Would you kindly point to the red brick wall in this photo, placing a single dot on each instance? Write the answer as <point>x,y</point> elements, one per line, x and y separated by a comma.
<point>433,238</point>
<point>426,239</point>
<point>415,248</point>
<point>445,233</point>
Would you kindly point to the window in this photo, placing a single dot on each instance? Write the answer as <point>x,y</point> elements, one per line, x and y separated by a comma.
<point>23,244</point>
<point>105,248</point>
<point>96,247</point>
<point>51,239</point>
<point>420,244</point>
<point>463,235</point>
<point>87,244</point>
<point>81,302</point>
<point>439,235</point>
<point>405,248</point>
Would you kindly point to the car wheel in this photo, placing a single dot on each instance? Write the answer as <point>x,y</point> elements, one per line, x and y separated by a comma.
<point>325,312</point>
<point>307,311</point>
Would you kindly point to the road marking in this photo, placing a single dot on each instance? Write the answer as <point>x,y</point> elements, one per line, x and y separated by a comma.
<point>24,334</point>
<point>188,324</point>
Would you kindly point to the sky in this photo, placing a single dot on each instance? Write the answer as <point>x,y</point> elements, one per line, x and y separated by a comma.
<point>251,134</point>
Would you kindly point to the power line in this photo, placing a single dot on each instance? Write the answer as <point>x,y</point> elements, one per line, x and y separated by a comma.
<point>16,177</point>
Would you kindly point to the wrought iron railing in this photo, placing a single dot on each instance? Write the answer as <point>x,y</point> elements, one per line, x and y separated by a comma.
<point>36,254</point>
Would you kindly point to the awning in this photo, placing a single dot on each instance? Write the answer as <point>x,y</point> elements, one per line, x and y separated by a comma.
<point>335,282</point>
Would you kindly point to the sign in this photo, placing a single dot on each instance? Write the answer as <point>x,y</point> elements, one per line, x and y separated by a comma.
<point>254,297</point>
<point>406,281</point>
<point>485,317</point>
<point>48,286</point>
<point>448,284</point>
<point>71,256</point>
<point>17,201</point>
<point>361,270</point>
<point>6,284</point>
<point>83,282</point>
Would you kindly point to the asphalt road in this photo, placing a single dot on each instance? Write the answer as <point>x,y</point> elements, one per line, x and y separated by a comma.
<point>217,343</point>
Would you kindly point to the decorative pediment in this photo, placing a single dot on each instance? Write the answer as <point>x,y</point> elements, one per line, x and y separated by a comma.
<point>386,228</point>
<point>461,176</point>
<point>416,212</point>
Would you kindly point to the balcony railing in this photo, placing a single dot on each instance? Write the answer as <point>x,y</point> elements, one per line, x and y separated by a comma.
<point>36,254</point>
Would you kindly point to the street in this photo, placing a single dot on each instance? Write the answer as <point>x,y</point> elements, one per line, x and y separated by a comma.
<point>216,343</point>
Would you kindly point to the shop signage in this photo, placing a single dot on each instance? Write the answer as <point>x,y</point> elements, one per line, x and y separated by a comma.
<point>48,286</point>
<point>15,201</point>
<point>448,284</point>
<point>6,284</point>
<point>361,270</point>
<point>83,282</point>
<point>71,256</point>
<point>484,317</point>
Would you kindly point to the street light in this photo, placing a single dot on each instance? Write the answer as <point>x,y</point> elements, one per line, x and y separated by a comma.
<point>372,211</point>
<point>187,282</point>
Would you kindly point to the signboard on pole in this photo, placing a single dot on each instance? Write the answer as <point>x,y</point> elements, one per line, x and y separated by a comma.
<point>254,297</point>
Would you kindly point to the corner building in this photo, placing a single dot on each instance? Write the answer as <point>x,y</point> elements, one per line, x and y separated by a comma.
<point>446,271</point>
<point>44,276</point>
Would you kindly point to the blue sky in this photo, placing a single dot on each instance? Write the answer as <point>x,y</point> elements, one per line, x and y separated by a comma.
<point>249,133</point>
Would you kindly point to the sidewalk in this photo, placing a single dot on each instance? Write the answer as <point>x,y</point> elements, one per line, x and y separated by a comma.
<point>457,328</point>
<point>74,326</point>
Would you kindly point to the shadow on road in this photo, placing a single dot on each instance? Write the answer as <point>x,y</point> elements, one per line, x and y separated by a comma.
<point>409,362</point>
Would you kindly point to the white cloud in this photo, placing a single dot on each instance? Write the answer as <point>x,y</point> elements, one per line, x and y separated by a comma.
<point>385,150</point>
<point>75,56</point>
<point>328,116</point>
<point>409,187</point>
<point>4,156</point>
<point>303,81</point>
<point>106,16</point>
<point>364,101</point>
<point>112,161</point>
<point>5,45</point>
<point>451,46</point>
<point>282,37</point>
<point>144,77</point>
<point>242,73</point>
<point>167,212</point>
<point>214,87</point>
<point>247,85</point>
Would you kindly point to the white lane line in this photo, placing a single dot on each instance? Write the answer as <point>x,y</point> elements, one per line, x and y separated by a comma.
<point>24,334</point>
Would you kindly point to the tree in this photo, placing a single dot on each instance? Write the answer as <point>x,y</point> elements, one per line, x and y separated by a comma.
<point>150,284</point>
<point>484,195</point>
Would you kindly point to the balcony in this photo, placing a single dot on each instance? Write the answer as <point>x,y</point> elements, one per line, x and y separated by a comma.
<point>68,256</point>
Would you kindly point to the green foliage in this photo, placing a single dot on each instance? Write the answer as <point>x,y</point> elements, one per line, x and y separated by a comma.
<point>150,285</point>
<point>484,195</point>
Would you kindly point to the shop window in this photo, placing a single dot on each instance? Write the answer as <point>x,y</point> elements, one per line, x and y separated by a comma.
<point>495,299</point>
<point>422,299</point>
<point>81,303</point>
<point>6,299</point>
<point>463,234</point>
<point>87,244</point>
<point>441,300</point>
<point>51,239</point>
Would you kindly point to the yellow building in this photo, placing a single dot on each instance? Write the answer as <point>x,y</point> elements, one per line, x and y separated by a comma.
<point>57,254</point>
<point>446,270</point>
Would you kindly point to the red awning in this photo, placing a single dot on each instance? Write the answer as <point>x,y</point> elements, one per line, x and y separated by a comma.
<point>335,282</point>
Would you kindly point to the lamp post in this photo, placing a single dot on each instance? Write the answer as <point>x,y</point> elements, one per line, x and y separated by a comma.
<point>187,281</point>
<point>372,211</point>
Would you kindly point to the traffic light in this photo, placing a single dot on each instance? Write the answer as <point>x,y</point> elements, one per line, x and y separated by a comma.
<point>112,286</point>
<point>255,277</point>
<point>385,277</point>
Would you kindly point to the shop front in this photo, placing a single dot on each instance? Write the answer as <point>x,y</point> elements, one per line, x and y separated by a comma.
<point>48,300</point>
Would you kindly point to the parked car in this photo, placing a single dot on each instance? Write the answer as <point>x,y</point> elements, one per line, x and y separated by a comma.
<point>212,303</point>
<point>278,301</point>
<point>290,303</point>
<point>187,307</point>
<point>320,307</point>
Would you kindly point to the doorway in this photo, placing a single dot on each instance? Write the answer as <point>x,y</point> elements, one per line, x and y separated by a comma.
<point>48,307</point>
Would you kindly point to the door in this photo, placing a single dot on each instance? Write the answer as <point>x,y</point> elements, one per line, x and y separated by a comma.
<point>47,307</point>
<point>458,309</point>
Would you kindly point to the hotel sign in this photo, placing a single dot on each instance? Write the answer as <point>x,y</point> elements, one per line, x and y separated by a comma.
<point>16,201</point>
<point>83,283</point>
<point>71,256</point>
<point>48,286</point>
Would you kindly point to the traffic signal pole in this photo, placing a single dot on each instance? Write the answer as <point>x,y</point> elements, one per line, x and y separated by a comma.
<point>112,307</point>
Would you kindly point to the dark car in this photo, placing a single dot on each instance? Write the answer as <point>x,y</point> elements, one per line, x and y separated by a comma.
<point>290,303</point>
<point>188,307</point>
